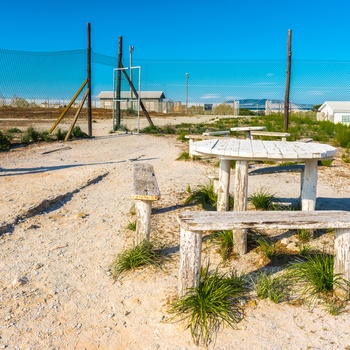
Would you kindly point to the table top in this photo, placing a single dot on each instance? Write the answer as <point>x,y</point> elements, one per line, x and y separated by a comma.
<point>232,148</point>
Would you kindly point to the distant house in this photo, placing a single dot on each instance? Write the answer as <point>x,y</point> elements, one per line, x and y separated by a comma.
<point>152,100</point>
<point>335,111</point>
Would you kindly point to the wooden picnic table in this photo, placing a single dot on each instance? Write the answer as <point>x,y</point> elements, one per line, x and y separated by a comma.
<point>247,150</point>
<point>248,129</point>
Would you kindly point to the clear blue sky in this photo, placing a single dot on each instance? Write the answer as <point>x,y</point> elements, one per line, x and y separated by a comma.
<point>183,30</point>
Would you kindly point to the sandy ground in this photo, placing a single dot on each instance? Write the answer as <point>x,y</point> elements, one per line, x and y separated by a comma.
<point>64,212</point>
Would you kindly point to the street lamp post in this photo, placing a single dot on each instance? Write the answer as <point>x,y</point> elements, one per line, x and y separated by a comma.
<point>131,50</point>
<point>187,76</point>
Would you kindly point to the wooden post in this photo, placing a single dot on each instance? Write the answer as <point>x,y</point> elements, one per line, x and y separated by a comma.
<point>240,204</point>
<point>190,259</point>
<point>342,258</point>
<point>143,223</point>
<point>289,70</point>
<point>309,184</point>
<point>89,110</point>
<point>224,184</point>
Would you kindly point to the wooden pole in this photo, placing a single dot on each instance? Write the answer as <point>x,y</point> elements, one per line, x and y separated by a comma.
<point>89,80</point>
<point>143,223</point>
<point>224,184</point>
<point>289,71</point>
<point>190,259</point>
<point>240,204</point>
<point>342,259</point>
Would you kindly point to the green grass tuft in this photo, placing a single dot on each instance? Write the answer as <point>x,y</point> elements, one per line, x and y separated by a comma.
<point>314,277</point>
<point>224,239</point>
<point>262,200</point>
<point>205,196</point>
<point>271,287</point>
<point>130,259</point>
<point>215,302</point>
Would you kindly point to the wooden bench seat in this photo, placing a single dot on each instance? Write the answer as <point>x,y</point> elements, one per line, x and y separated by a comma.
<point>145,191</point>
<point>193,224</point>
<point>282,135</point>
<point>216,133</point>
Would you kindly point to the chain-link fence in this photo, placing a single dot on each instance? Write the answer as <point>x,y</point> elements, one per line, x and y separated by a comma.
<point>36,86</point>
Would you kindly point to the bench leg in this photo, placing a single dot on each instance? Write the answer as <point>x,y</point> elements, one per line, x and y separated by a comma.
<point>224,185</point>
<point>240,204</point>
<point>190,259</point>
<point>143,212</point>
<point>342,258</point>
<point>308,192</point>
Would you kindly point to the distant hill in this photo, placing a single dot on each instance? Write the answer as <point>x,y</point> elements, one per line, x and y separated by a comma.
<point>259,104</point>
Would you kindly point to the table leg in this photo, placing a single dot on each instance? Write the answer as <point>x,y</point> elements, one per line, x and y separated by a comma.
<point>308,191</point>
<point>224,185</point>
<point>240,204</point>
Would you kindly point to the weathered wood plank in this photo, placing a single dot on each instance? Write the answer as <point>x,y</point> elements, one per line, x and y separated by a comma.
<point>206,221</point>
<point>213,133</point>
<point>145,186</point>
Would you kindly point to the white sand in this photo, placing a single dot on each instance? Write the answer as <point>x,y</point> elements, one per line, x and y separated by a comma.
<point>56,291</point>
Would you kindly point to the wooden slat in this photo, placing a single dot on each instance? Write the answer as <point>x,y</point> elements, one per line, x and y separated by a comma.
<point>208,221</point>
<point>270,133</point>
<point>211,133</point>
<point>145,185</point>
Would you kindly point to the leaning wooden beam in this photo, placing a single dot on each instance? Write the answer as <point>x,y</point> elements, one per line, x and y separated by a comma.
<point>77,115</point>
<point>68,106</point>
<point>137,96</point>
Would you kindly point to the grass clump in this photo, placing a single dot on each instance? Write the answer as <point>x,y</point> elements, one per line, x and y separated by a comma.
<point>213,303</point>
<point>139,255</point>
<point>267,247</point>
<point>314,277</point>
<point>271,287</point>
<point>5,141</point>
<point>204,196</point>
<point>131,226</point>
<point>184,156</point>
<point>224,240</point>
<point>262,199</point>
<point>305,235</point>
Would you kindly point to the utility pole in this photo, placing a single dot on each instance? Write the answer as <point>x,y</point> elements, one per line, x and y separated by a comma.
<point>289,70</point>
<point>187,76</point>
<point>131,50</point>
<point>89,79</point>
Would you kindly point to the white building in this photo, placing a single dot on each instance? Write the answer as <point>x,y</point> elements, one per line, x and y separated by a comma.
<point>152,100</point>
<point>335,111</point>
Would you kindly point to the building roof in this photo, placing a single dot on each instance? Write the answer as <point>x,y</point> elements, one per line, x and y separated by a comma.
<point>336,106</point>
<point>126,94</point>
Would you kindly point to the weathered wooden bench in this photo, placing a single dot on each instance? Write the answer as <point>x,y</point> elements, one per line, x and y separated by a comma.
<point>193,224</point>
<point>145,191</point>
<point>282,135</point>
<point>216,133</point>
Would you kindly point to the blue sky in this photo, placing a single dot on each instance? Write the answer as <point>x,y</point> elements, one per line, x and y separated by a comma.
<point>187,32</point>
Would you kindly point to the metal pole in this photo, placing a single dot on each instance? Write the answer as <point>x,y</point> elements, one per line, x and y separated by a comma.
<point>187,76</point>
<point>119,79</point>
<point>131,50</point>
<point>89,79</point>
